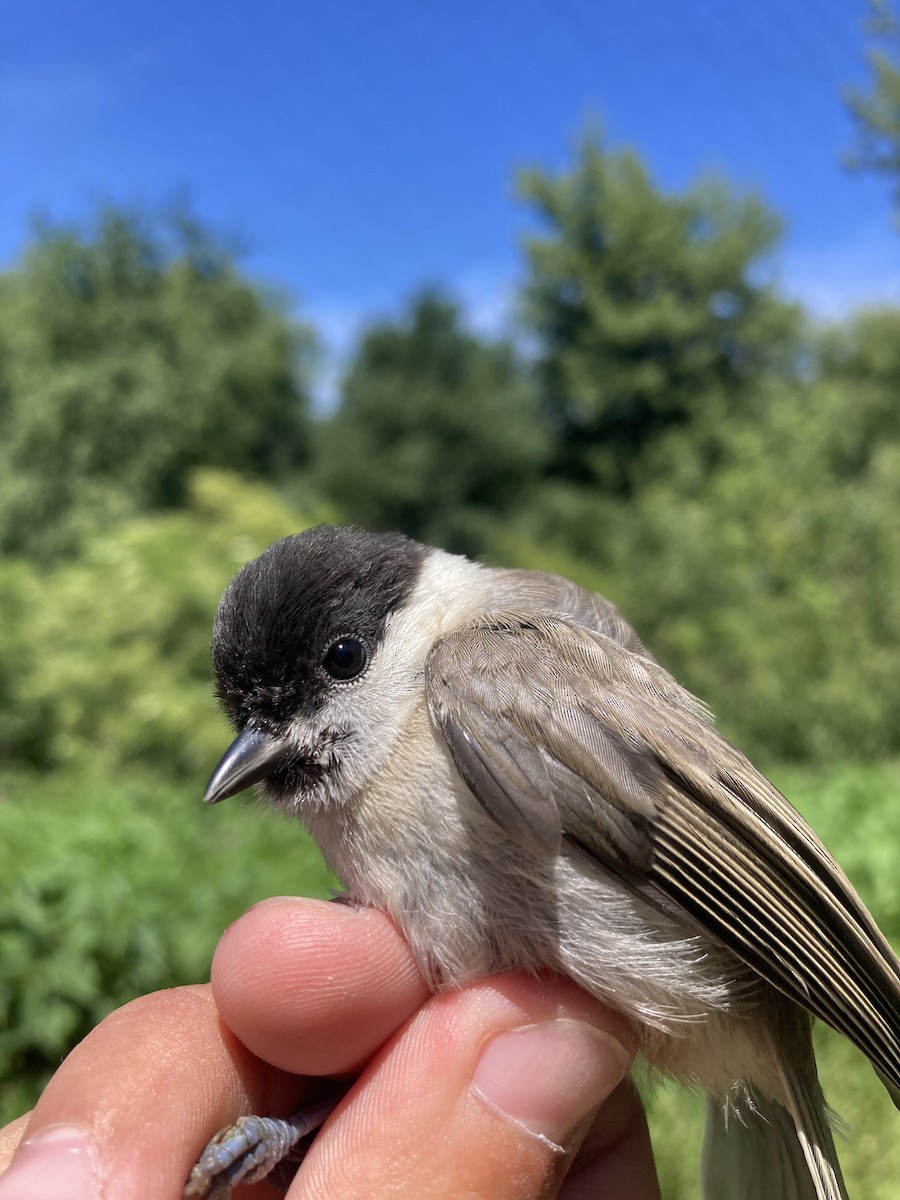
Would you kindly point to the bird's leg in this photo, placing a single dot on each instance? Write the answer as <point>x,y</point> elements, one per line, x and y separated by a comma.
<point>251,1149</point>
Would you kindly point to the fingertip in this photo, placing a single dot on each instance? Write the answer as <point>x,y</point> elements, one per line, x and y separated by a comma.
<point>549,1077</point>
<point>546,995</point>
<point>314,987</point>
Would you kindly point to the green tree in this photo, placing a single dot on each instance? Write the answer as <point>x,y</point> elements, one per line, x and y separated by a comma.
<point>130,353</point>
<point>648,312</point>
<point>862,355</point>
<point>877,109</point>
<point>436,432</point>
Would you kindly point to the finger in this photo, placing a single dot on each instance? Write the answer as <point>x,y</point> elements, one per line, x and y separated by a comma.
<point>10,1136</point>
<point>130,1107</point>
<point>616,1158</point>
<point>485,1093</point>
<point>315,988</point>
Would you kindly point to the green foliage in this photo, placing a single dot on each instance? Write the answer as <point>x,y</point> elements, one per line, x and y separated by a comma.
<point>105,660</point>
<point>877,110</point>
<point>646,312</point>
<point>436,434</point>
<point>115,886</point>
<point>863,353</point>
<point>130,354</point>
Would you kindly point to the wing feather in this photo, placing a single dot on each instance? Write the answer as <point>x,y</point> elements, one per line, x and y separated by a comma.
<point>564,729</point>
<point>509,796</point>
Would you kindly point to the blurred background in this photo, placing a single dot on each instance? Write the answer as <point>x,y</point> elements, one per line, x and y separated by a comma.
<point>601,288</point>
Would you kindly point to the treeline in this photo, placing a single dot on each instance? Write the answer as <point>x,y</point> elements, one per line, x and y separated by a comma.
<point>664,425</point>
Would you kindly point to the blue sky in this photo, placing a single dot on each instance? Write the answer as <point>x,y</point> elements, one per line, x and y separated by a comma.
<point>362,149</point>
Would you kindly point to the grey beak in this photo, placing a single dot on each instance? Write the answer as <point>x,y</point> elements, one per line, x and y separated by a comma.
<point>252,756</point>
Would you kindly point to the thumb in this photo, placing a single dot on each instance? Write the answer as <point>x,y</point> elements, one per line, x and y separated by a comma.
<point>549,1077</point>
<point>485,1092</point>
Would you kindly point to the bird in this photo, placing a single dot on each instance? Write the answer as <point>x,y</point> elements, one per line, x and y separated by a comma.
<point>493,758</point>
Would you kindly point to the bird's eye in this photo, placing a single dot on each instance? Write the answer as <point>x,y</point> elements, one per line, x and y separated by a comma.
<point>345,659</point>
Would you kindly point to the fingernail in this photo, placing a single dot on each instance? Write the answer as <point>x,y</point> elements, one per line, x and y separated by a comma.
<point>548,1078</point>
<point>59,1163</point>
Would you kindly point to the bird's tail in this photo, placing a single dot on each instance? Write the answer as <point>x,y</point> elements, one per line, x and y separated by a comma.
<point>766,1152</point>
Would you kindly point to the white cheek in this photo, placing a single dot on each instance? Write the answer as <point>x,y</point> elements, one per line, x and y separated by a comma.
<point>375,711</point>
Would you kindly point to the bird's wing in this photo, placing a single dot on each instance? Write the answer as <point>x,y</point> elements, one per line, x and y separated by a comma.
<point>561,731</point>
<point>541,591</point>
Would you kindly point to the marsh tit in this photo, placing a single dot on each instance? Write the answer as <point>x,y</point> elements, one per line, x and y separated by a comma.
<point>494,759</point>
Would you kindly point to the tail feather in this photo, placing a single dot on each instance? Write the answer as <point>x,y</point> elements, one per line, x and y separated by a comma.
<point>814,1134</point>
<point>893,1090</point>
<point>765,1152</point>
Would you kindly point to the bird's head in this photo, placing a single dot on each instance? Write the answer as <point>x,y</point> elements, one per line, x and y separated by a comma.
<point>319,649</point>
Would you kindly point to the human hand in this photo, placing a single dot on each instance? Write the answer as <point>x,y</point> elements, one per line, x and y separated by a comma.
<point>489,1091</point>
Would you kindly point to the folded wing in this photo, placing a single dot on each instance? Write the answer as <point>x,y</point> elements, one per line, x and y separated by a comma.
<point>562,731</point>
